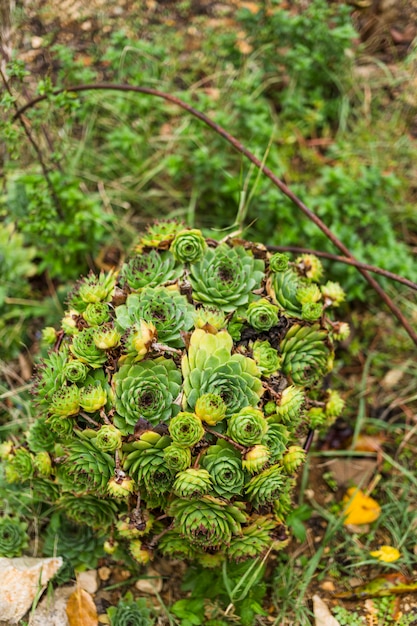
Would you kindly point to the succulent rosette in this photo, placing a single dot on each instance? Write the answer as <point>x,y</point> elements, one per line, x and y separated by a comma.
<point>150,270</point>
<point>188,246</point>
<point>262,314</point>
<point>175,398</point>
<point>146,390</point>
<point>13,536</point>
<point>226,277</point>
<point>166,308</point>
<point>224,465</point>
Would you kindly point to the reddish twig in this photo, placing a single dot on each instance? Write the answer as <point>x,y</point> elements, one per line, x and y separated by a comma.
<point>249,155</point>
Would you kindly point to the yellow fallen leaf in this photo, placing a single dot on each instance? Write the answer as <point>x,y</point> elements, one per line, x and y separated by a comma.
<point>388,554</point>
<point>81,610</point>
<point>360,508</point>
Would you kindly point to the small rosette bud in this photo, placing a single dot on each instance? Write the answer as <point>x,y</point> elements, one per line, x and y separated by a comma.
<point>150,270</point>
<point>48,336</point>
<point>160,234</point>
<point>278,262</point>
<point>266,357</point>
<point>135,525</point>
<point>333,294</point>
<point>310,266</point>
<point>110,547</point>
<point>75,371</point>
<point>262,315</point>
<point>93,289</point>
<point>141,554</point>
<point>209,317</point>
<point>65,401</point>
<point>96,313</point>
<point>13,537</point>
<point>334,405</point>
<point>108,438</point>
<point>311,311</point>
<point>210,408</point>
<point>289,406</point>
<point>43,463</point>
<point>305,354</point>
<point>255,459</point>
<point>106,337</point>
<point>192,483</point>
<point>316,417</point>
<point>92,398</point>
<point>121,487</point>
<point>340,331</point>
<point>266,486</point>
<point>69,324</point>
<point>292,459</point>
<point>19,466</point>
<point>188,246</point>
<point>276,439</point>
<point>85,350</point>
<point>247,427</point>
<point>177,458</point>
<point>225,466</point>
<point>308,294</point>
<point>186,429</point>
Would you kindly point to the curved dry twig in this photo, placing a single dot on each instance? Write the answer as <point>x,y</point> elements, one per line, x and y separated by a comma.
<point>249,155</point>
<point>343,259</point>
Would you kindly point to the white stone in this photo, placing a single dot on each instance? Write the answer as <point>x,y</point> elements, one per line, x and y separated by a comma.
<point>88,581</point>
<point>22,580</point>
<point>52,610</point>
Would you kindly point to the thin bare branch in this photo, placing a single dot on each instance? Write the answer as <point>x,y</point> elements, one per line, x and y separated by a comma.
<point>249,155</point>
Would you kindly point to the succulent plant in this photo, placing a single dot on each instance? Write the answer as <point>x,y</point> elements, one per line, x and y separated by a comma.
<point>172,407</point>
<point>13,536</point>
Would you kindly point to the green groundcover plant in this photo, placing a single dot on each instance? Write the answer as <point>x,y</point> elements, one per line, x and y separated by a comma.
<point>175,395</point>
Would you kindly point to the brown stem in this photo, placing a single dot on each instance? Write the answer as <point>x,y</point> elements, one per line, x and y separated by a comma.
<point>343,259</point>
<point>89,419</point>
<point>35,147</point>
<point>238,446</point>
<point>249,155</point>
<point>309,440</point>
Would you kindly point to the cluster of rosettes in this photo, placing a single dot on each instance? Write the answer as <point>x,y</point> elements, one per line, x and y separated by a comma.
<point>176,394</point>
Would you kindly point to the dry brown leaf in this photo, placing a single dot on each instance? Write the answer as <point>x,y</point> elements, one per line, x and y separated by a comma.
<point>81,610</point>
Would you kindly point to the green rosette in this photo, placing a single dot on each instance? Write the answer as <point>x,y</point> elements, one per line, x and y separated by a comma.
<point>65,402</point>
<point>279,262</point>
<point>267,486</point>
<point>13,536</point>
<point>107,439</point>
<point>192,483</point>
<point>87,509</point>
<point>305,354</point>
<point>224,465</point>
<point>92,289</point>
<point>277,439</point>
<point>19,466</point>
<point>247,427</point>
<point>209,316</point>
<point>150,270</point>
<point>254,541</point>
<point>207,522</point>
<point>167,309</point>
<point>289,408</point>
<point>130,612</point>
<point>75,371</point>
<point>226,277</point>
<point>283,288</point>
<point>146,390</point>
<point>93,397</point>
<point>210,408</point>
<point>160,234</point>
<point>84,349</point>
<point>186,429</point>
<point>175,546</point>
<point>256,458</point>
<point>149,469</point>
<point>177,458</point>
<point>188,246</point>
<point>106,336</point>
<point>86,469</point>
<point>292,459</point>
<point>262,315</point>
<point>96,313</point>
<point>40,436</point>
<point>311,311</point>
<point>50,376</point>
<point>266,357</point>
<point>209,367</point>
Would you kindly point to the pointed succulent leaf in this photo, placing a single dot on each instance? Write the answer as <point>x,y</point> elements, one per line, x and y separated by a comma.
<point>150,269</point>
